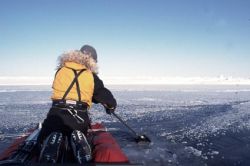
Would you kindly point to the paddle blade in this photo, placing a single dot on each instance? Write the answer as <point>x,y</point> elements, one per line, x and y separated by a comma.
<point>142,139</point>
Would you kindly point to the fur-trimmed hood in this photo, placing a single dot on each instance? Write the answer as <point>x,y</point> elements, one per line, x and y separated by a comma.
<point>79,58</point>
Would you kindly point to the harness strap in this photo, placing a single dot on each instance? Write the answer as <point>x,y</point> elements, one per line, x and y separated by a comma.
<point>72,84</point>
<point>57,72</point>
<point>77,87</point>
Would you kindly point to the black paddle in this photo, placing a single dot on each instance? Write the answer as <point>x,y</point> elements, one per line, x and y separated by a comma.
<point>139,138</point>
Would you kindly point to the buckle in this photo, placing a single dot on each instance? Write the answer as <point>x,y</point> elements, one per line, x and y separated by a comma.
<point>71,102</point>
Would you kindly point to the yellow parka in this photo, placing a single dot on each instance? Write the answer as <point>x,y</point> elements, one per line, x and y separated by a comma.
<point>65,76</point>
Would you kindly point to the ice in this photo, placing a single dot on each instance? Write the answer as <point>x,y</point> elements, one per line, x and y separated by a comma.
<point>188,125</point>
<point>214,153</point>
<point>194,151</point>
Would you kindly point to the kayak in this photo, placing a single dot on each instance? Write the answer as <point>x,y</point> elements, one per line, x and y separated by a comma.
<point>106,149</point>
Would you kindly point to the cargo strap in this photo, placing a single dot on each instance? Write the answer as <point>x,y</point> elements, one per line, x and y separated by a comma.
<point>73,113</point>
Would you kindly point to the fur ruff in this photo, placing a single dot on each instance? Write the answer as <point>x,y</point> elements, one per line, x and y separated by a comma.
<point>80,58</point>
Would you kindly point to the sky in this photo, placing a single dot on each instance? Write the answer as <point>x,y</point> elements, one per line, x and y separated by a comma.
<point>133,38</point>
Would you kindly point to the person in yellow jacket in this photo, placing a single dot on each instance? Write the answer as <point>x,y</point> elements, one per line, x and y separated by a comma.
<point>76,85</point>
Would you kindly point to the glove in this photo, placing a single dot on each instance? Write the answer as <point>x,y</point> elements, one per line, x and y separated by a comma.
<point>109,110</point>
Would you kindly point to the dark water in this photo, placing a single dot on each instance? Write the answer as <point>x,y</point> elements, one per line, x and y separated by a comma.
<point>187,125</point>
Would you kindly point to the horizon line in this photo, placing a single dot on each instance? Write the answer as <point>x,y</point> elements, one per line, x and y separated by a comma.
<point>124,80</point>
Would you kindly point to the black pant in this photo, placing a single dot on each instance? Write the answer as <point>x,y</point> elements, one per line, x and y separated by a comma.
<point>61,120</point>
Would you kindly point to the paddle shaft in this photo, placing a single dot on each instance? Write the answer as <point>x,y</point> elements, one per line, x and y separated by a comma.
<point>125,124</point>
